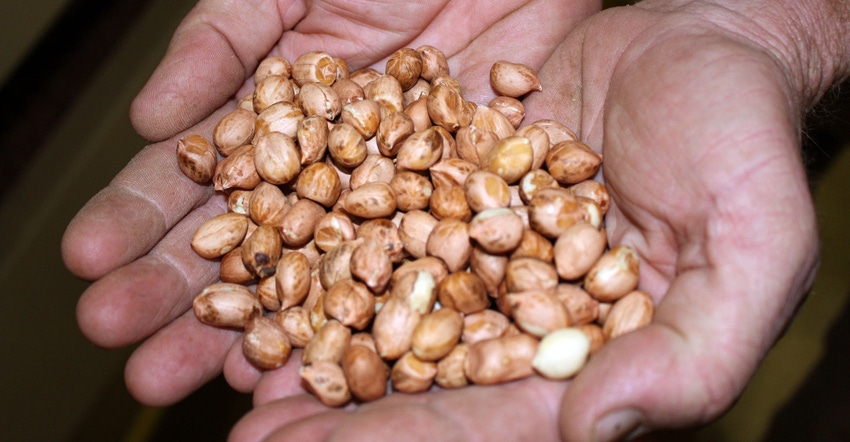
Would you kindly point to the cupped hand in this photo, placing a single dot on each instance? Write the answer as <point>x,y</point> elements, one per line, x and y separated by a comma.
<point>132,238</point>
<point>697,112</point>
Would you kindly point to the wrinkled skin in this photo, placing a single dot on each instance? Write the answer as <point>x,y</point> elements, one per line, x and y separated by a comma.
<point>702,160</point>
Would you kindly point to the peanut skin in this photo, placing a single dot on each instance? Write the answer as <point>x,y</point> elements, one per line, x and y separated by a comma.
<point>500,360</point>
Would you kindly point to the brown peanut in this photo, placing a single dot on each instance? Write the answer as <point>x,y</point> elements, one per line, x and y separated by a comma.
<point>629,313</point>
<point>196,158</point>
<point>436,334</point>
<point>219,235</point>
<point>500,360</point>
<point>412,375</point>
<point>326,380</point>
<point>226,305</point>
<point>265,343</point>
<point>366,373</point>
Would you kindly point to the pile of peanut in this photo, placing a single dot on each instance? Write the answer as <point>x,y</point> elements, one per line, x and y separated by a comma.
<point>403,236</point>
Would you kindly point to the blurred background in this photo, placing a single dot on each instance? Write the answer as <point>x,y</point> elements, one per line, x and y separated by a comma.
<point>68,71</point>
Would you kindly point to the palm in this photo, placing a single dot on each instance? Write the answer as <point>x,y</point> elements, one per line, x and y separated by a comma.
<point>695,146</point>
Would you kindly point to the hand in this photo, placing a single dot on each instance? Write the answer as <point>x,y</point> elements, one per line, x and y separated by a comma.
<point>132,238</point>
<point>698,113</point>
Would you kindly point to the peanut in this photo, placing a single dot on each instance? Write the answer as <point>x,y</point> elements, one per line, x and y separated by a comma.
<point>614,275</point>
<point>237,171</point>
<point>233,131</point>
<point>329,344</point>
<point>296,324</point>
<point>410,374</point>
<point>267,204</point>
<point>232,268</point>
<point>219,235</point>
<point>577,249</point>
<point>561,353</point>
<point>366,373</point>
<point>450,368</point>
<point>436,334</point>
<point>265,343</point>
<point>196,158</point>
<point>513,79</point>
<point>629,313</point>
<point>503,359</point>
<point>463,291</point>
<point>483,325</point>
<point>400,233</point>
<point>497,230</point>
<point>351,303</point>
<point>326,380</point>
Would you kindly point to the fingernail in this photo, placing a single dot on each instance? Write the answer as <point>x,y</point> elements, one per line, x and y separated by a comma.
<point>619,425</point>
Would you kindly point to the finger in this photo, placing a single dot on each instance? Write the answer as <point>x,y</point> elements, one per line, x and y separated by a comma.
<point>176,361</point>
<point>209,58</point>
<point>132,302</point>
<point>317,426</point>
<point>127,218</point>
<point>280,383</point>
<point>718,318</point>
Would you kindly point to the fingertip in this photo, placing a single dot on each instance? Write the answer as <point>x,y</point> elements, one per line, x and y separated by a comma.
<point>153,116</point>
<point>140,388</point>
<point>158,113</point>
<point>130,303</point>
<point>176,361</point>
<point>246,430</point>
<point>196,77</point>
<point>148,383</point>
<point>90,246</point>
<point>111,230</point>
<point>98,322</point>
<point>239,373</point>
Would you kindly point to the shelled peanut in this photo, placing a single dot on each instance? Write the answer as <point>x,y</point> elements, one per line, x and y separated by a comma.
<point>403,236</point>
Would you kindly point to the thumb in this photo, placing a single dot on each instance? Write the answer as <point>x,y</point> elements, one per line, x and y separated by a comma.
<point>688,366</point>
<point>649,379</point>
